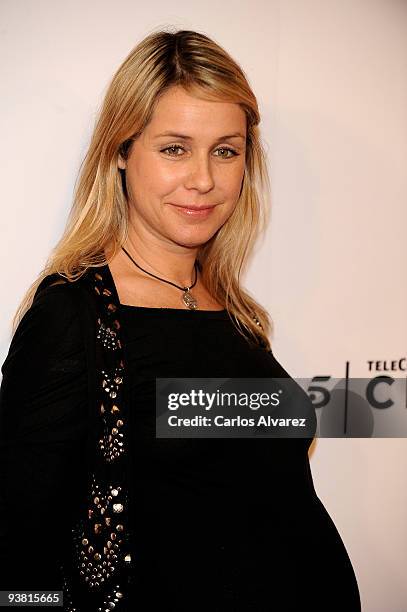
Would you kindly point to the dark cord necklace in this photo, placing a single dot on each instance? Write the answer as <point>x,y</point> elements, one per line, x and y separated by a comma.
<point>187,297</point>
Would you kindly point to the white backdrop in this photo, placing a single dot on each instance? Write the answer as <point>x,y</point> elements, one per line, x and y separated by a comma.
<point>331,81</point>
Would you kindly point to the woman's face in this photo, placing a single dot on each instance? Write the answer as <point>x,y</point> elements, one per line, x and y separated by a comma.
<point>191,154</point>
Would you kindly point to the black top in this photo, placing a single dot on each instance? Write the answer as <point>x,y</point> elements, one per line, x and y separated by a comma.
<point>43,429</point>
<point>220,524</point>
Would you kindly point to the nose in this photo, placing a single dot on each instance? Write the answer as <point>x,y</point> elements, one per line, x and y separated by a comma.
<point>199,174</point>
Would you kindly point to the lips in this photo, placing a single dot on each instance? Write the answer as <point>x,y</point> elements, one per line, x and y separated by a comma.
<point>194,211</point>
<point>192,207</point>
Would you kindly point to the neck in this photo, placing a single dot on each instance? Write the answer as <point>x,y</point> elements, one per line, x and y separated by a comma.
<point>171,262</point>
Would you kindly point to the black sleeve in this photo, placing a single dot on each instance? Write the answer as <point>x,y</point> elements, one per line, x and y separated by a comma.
<point>43,429</point>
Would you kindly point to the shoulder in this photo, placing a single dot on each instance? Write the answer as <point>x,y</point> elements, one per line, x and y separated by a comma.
<point>49,329</point>
<point>54,303</point>
<point>59,304</point>
<point>58,298</point>
<point>53,314</point>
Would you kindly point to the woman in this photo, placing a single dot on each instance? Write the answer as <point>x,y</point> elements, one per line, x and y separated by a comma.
<point>145,283</point>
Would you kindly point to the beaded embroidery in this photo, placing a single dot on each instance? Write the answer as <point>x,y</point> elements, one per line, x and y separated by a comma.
<point>100,568</point>
<point>108,337</point>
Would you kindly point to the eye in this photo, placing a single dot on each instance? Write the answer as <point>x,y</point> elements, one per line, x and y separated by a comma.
<point>172,149</point>
<point>228,150</point>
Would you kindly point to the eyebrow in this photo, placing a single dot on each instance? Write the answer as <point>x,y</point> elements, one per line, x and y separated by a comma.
<point>186,137</point>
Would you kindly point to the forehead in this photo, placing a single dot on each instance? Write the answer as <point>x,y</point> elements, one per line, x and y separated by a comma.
<point>181,111</point>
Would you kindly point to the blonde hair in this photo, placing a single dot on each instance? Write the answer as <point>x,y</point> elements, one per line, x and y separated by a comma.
<point>98,219</point>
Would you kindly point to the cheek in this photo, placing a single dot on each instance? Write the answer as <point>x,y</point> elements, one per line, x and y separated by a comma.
<point>232,182</point>
<point>157,177</point>
<point>149,175</point>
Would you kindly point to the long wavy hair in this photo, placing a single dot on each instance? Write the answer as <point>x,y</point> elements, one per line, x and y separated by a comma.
<point>97,225</point>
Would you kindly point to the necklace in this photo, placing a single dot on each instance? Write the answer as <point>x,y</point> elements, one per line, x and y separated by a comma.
<point>188,299</point>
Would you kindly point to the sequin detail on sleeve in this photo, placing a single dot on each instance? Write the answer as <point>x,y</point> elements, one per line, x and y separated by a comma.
<point>97,577</point>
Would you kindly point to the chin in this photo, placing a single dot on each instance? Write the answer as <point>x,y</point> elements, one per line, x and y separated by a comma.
<point>191,239</point>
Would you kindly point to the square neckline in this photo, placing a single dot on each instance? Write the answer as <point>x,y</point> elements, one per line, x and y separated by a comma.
<point>173,311</point>
<point>159,309</point>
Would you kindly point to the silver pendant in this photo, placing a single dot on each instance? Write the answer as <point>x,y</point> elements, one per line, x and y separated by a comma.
<point>189,300</point>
